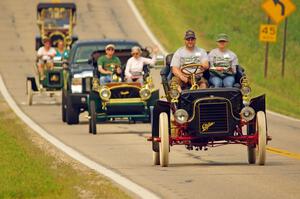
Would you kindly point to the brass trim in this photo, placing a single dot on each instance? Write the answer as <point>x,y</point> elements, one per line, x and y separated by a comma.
<point>125,100</point>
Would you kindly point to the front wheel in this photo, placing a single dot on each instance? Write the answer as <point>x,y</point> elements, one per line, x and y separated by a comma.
<point>262,137</point>
<point>29,92</point>
<point>72,114</point>
<point>164,146</point>
<point>92,121</point>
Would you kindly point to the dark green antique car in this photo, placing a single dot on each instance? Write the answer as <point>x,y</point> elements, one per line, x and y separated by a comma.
<point>202,118</point>
<point>55,22</point>
<point>115,100</point>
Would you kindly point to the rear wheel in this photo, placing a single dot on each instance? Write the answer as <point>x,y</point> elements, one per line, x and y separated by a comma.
<point>72,114</point>
<point>155,155</point>
<point>262,137</point>
<point>164,140</point>
<point>29,92</point>
<point>92,121</point>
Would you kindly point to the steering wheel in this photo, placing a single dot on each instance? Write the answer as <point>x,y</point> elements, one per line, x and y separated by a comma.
<point>192,69</point>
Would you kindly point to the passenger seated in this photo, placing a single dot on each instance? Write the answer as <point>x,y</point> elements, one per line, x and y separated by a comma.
<point>109,66</point>
<point>61,50</point>
<point>223,64</point>
<point>135,64</point>
<point>45,56</point>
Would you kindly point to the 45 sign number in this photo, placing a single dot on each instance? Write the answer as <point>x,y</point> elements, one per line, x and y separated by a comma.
<point>268,33</point>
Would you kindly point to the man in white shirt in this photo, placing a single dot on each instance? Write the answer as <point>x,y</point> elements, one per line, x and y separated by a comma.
<point>45,56</point>
<point>134,66</point>
<point>189,54</point>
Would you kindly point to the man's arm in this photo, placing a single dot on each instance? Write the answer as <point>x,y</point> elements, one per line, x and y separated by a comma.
<point>103,71</point>
<point>177,72</point>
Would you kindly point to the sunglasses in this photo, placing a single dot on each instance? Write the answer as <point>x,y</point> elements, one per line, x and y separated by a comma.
<point>190,39</point>
<point>135,53</point>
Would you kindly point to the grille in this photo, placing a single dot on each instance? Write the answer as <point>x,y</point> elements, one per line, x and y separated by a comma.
<point>213,117</point>
<point>125,92</point>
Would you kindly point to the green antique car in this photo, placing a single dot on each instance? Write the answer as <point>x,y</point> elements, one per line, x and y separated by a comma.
<point>119,100</point>
<point>55,22</point>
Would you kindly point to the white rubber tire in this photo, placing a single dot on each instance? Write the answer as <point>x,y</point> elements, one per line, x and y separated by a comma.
<point>155,158</point>
<point>164,145</point>
<point>262,137</point>
<point>29,92</point>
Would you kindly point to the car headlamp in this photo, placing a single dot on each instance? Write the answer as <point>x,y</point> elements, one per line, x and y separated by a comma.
<point>246,90</point>
<point>76,86</point>
<point>105,93</point>
<point>181,116</point>
<point>174,94</point>
<point>247,113</point>
<point>145,93</point>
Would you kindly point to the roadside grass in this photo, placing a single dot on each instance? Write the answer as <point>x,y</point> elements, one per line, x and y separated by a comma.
<point>27,171</point>
<point>169,19</point>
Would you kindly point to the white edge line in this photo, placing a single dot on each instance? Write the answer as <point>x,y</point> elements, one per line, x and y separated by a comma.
<point>145,27</point>
<point>126,183</point>
<point>156,42</point>
<point>283,116</point>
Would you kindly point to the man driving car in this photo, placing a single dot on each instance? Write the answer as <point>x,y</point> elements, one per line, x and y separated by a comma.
<point>189,54</point>
<point>45,56</point>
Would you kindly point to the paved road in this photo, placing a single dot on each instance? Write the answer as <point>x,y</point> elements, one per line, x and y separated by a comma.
<point>217,173</point>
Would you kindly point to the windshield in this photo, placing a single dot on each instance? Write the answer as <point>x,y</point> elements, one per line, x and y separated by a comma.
<point>83,53</point>
<point>56,17</point>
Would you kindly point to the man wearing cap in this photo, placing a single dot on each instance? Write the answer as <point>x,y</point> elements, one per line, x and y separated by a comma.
<point>108,64</point>
<point>45,54</point>
<point>189,54</point>
<point>223,63</point>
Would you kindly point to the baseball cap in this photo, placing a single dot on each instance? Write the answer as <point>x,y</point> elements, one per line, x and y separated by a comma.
<point>222,37</point>
<point>110,46</point>
<point>189,34</point>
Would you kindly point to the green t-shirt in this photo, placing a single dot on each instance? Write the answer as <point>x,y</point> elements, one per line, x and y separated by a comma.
<point>108,64</point>
<point>64,55</point>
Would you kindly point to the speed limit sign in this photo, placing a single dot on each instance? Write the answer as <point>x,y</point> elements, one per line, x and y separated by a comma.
<point>268,33</point>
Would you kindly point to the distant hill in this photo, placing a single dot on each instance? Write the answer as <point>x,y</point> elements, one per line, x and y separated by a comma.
<point>241,20</point>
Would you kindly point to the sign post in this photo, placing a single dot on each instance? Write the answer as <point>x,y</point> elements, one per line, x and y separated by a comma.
<point>277,10</point>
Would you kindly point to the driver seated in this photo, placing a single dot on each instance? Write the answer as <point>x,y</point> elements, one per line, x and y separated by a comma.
<point>223,64</point>
<point>134,66</point>
<point>189,54</point>
<point>109,66</point>
<point>45,56</point>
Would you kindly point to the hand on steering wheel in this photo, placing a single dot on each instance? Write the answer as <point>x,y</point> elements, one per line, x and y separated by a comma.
<point>190,69</point>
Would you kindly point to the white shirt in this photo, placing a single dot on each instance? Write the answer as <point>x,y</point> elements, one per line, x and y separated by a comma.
<point>46,55</point>
<point>136,65</point>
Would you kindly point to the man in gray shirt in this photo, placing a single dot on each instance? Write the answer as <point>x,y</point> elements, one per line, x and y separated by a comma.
<point>223,64</point>
<point>189,54</point>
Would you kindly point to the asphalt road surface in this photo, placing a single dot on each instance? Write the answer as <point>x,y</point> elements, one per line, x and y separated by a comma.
<point>221,172</point>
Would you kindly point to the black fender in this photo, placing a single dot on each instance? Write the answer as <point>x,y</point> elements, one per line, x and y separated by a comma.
<point>33,83</point>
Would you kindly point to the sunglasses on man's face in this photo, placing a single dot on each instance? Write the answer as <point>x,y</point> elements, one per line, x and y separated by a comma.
<point>110,49</point>
<point>135,54</point>
<point>190,39</point>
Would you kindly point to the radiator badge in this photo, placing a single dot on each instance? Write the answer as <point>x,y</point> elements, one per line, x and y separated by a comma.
<point>206,126</point>
<point>124,92</point>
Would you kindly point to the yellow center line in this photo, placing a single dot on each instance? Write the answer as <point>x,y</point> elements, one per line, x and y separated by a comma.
<point>283,153</point>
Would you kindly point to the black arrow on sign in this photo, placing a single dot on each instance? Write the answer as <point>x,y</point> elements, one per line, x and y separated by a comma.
<point>282,6</point>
